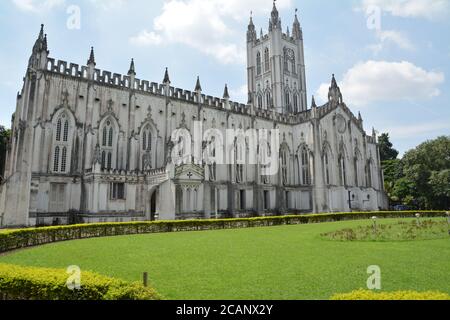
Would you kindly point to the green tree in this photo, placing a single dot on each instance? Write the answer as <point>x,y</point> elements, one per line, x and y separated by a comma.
<point>4,138</point>
<point>427,168</point>
<point>387,151</point>
<point>440,184</point>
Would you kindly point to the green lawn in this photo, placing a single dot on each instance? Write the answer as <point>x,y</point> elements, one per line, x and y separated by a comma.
<point>288,262</point>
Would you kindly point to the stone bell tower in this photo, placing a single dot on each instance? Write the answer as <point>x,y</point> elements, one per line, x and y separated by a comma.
<point>276,67</point>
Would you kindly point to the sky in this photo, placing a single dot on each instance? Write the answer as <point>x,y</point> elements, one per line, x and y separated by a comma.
<point>391,58</point>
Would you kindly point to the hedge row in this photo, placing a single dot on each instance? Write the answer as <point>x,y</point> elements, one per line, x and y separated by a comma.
<point>398,295</point>
<point>26,283</point>
<point>22,238</point>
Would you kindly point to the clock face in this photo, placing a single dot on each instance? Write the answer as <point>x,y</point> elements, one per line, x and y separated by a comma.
<point>341,124</point>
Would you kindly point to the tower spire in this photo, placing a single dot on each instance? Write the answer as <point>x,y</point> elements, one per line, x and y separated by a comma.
<point>166,77</point>
<point>226,95</point>
<point>91,60</point>
<point>132,70</point>
<point>334,93</point>
<point>251,32</point>
<point>313,102</point>
<point>198,87</point>
<point>296,29</point>
<point>275,21</point>
<point>41,33</point>
<point>41,41</point>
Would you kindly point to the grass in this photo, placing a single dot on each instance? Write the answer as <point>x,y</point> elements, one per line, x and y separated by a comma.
<point>287,262</point>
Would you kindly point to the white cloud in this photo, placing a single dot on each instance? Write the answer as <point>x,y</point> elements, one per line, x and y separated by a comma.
<point>429,9</point>
<point>204,25</point>
<point>108,4</point>
<point>145,38</point>
<point>374,81</point>
<point>37,5</point>
<point>388,37</point>
<point>240,94</point>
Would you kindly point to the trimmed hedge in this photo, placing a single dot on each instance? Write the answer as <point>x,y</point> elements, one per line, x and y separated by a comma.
<point>26,283</point>
<point>398,295</point>
<point>22,238</point>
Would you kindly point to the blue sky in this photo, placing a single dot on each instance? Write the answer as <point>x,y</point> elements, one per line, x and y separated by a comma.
<point>391,57</point>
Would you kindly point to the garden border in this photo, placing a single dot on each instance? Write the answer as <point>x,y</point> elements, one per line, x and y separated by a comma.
<point>23,238</point>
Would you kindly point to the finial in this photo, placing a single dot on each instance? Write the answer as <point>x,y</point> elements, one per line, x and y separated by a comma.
<point>166,77</point>
<point>333,82</point>
<point>313,102</point>
<point>91,58</point>
<point>132,70</point>
<point>41,33</point>
<point>45,42</point>
<point>226,95</point>
<point>198,87</point>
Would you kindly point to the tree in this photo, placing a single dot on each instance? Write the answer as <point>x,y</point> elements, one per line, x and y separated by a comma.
<point>4,138</point>
<point>427,168</point>
<point>387,152</point>
<point>440,184</point>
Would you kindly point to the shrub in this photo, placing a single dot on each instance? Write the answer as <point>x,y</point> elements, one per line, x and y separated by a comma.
<point>22,238</point>
<point>397,295</point>
<point>26,283</point>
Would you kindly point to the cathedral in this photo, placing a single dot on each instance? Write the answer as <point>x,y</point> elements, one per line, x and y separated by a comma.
<point>90,146</point>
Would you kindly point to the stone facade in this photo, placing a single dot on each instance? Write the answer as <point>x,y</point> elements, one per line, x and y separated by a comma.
<point>94,146</point>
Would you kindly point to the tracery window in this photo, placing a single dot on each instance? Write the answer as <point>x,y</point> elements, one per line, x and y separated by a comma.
<point>61,144</point>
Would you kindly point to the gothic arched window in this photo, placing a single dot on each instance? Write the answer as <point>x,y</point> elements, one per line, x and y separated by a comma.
<point>147,139</point>
<point>284,166</point>
<point>287,101</point>
<point>58,130</point>
<point>268,99</point>
<point>66,131</point>
<point>286,60</point>
<point>296,103</point>
<point>108,136</point>
<point>306,178</point>
<point>293,66</point>
<point>258,63</point>
<point>326,161</point>
<point>212,154</point>
<point>342,170</point>
<point>64,159</point>
<point>239,153</point>
<point>266,60</point>
<point>260,101</point>
<point>265,154</point>
<point>56,160</point>
<point>146,147</point>
<point>369,174</point>
<point>356,166</point>
<point>61,145</point>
